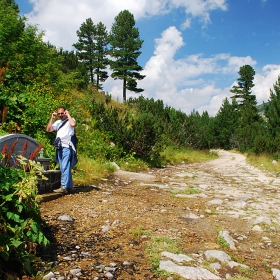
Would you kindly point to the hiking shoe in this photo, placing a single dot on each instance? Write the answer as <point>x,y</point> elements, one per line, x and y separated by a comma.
<point>61,190</point>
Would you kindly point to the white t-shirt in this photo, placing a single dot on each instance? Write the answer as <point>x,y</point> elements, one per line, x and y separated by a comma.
<point>64,133</point>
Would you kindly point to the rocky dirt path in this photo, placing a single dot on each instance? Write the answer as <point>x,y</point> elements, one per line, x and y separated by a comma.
<point>223,215</point>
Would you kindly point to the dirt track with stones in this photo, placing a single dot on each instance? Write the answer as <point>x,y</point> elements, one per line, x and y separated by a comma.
<point>92,230</point>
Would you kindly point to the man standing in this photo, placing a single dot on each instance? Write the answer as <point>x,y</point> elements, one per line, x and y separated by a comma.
<point>65,150</point>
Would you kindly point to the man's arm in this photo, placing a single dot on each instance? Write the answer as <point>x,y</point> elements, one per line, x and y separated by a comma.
<point>70,119</point>
<point>49,127</point>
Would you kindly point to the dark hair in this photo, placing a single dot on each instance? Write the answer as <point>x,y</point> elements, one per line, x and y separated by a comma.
<point>61,107</point>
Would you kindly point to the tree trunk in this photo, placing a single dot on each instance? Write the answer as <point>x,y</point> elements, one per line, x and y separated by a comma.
<point>4,114</point>
<point>97,79</point>
<point>124,90</point>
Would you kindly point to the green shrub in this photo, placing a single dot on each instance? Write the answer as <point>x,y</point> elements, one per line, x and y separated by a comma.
<point>20,219</point>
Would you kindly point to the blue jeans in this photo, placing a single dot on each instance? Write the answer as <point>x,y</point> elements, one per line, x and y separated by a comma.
<point>64,155</point>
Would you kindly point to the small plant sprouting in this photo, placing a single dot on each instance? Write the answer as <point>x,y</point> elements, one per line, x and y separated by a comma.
<point>188,191</point>
<point>222,242</point>
<point>140,231</point>
<point>156,246</point>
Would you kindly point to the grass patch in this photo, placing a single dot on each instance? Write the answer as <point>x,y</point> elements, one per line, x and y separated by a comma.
<point>3,133</point>
<point>133,164</point>
<point>222,242</point>
<point>246,271</point>
<point>207,264</point>
<point>89,170</point>
<point>172,155</point>
<point>264,162</point>
<point>187,191</point>
<point>156,246</point>
<point>212,213</point>
<point>140,231</point>
<point>237,259</point>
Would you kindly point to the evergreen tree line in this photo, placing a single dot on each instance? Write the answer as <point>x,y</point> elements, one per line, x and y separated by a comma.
<point>239,124</point>
<point>36,77</point>
<point>146,126</point>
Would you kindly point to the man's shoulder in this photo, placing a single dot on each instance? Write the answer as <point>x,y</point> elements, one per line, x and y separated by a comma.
<point>56,124</point>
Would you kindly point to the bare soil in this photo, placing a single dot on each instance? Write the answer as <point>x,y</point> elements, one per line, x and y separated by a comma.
<point>107,215</point>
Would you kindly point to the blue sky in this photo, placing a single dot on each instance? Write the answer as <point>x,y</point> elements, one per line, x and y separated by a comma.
<point>192,49</point>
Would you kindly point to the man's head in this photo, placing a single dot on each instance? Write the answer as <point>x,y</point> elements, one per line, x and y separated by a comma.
<point>61,113</point>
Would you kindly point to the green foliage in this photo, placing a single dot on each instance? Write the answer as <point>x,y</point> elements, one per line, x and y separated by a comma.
<point>21,223</point>
<point>140,231</point>
<point>96,144</point>
<point>75,72</point>
<point>272,116</point>
<point>187,191</point>
<point>145,126</point>
<point>11,28</point>
<point>129,163</point>
<point>225,124</point>
<point>92,49</point>
<point>34,117</point>
<point>222,242</point>
<point>176,127</point>
<point>156,246</point>
<point>242,92</point>
<point>125,45</point>
<point>175,155</point>
<point>138,135</point>
<point>249,121</point>
<point>48,148</point>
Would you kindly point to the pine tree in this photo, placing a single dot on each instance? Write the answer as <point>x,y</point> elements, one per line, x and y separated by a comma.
<point>243,91</point>
<point>125,45</point>
<point>224,125</point>
<point>92,49</point>
<point>246,104</point>
<point>101,52</point>
<point>272,110</point>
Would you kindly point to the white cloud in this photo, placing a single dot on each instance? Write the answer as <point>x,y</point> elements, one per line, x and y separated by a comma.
<point>235,62</point>
<point>216,101</point>
<point>199,8</point>
<point>264,81</point>
<point>61,19</point>
<point>186,24</point>
<point>184,83</point>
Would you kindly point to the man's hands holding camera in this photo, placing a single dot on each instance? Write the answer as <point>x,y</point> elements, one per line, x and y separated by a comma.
<point>55,114</point>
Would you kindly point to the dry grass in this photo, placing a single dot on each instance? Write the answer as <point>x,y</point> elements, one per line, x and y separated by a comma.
<point>264,162</point>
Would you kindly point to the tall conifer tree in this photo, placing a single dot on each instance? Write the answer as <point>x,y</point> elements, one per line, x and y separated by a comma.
<point>92,49</point>
<point>272,110</point>
<point>242,94</point>
<point>243,90</point>
<point>125,49</point>
<point>225,124</point>
<point>246,105</point>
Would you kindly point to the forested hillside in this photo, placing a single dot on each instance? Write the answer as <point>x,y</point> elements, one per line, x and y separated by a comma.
<point>36,77</point>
